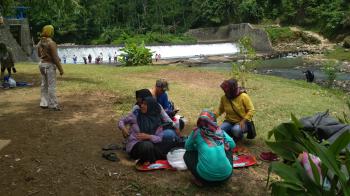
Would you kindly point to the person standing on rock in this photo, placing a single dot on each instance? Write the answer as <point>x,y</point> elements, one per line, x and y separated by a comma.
<point>49,62</point>
<point>75,58</point>
<point>64,59</point>
<point>85,59</point>
<point>109,58</point>
<point>90,58</point>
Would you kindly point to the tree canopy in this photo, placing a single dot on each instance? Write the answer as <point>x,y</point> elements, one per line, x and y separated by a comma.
<point>82,21</point>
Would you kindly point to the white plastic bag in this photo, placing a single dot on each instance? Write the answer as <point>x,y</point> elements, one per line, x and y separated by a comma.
<point>176,159</point>
<point>12,82</point>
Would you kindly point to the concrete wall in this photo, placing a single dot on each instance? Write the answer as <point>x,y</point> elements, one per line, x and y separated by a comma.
<point>7,38</point>
<point>26,42</point>
<point>232,33</point>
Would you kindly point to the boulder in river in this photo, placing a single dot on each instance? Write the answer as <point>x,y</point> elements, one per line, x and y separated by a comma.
<point>346,43</point>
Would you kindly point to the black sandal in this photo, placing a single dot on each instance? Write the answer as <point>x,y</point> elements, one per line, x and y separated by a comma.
<point>111,156</point>
<point>112,147</point>
<point>56,109</point>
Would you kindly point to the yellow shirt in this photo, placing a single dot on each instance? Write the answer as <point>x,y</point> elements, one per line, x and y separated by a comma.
<point>242,104</point>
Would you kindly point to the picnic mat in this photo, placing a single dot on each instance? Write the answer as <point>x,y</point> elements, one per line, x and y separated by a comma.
<point>242,157</point>
<point>158,165</point>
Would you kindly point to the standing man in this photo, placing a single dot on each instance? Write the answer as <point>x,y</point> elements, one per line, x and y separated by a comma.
<point>64,59</point>
<point>101,57</point>
<point>85,60</point>
<point>47,51</point>
<point>109,58</point>
<point>115,57</point>
<point>90,58</point>
<point>75,58</point>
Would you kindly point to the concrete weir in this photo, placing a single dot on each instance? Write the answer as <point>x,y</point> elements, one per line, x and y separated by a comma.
<point>232,33</point>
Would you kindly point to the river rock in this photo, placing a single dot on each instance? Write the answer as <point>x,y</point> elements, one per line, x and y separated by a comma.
<point>346,43</point>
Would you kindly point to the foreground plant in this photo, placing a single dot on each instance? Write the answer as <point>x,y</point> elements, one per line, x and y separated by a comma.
<point>332,178</point>
<point>240,70</point>
<point>330,69</point>
<point>346,117</point>
<point>136,54</point>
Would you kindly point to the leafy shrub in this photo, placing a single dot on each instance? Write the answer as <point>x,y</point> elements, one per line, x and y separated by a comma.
<point>329,68</point>
<point>346,117</point>
<point>240,70</point>
<point>290,141</point>
<point>136,54</point>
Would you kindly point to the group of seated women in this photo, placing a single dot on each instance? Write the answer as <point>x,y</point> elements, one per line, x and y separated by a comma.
<point>150,132</point>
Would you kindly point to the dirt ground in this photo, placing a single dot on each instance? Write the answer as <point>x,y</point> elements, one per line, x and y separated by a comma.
<point>59,153</point>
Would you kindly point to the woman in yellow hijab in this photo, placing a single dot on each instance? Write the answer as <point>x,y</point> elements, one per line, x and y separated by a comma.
<point>47,51</point>
<point>48,31</point>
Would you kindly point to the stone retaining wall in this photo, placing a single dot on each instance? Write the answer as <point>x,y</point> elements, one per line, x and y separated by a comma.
<point>25,38</point>
<point>7,38</point>
<point>232,33</point>
<point>21,52</point>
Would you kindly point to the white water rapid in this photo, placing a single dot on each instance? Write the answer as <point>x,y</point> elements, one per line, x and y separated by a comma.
<point>166,52</point>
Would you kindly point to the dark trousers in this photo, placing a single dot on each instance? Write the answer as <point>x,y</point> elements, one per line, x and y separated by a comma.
<point>191,160</point>
<point>147,151</point>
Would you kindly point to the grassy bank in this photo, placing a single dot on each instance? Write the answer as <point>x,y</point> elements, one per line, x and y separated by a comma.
<point>338,53</point>
<point>285,34</point>
<point>193,89</point>
<point>59,153</point>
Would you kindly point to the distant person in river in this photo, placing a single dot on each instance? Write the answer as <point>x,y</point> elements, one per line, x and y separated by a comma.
<point>309,75</point>
<point>90,58</point>
<point>109,58</point>
<point>47,52</point>
<point>238,109</point>
<point>7,61</point>
<point>144,136</point>
<point>101,57</point>
<point>64,57</point>
<point>209,152</point>
<point>115,57</point>
<point>85,60</point>
<point>97,60</point>
<point>157,57</point>
<point>75,58</point>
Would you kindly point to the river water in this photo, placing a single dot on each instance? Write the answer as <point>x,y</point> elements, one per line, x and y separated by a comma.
<point>166,51</point>
<point>291,68</point>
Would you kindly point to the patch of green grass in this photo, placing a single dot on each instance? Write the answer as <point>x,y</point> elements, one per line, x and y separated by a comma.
<point>193,89</point>
<point>285,34</point>
<point>339,53</point>
<point>278,34</point>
